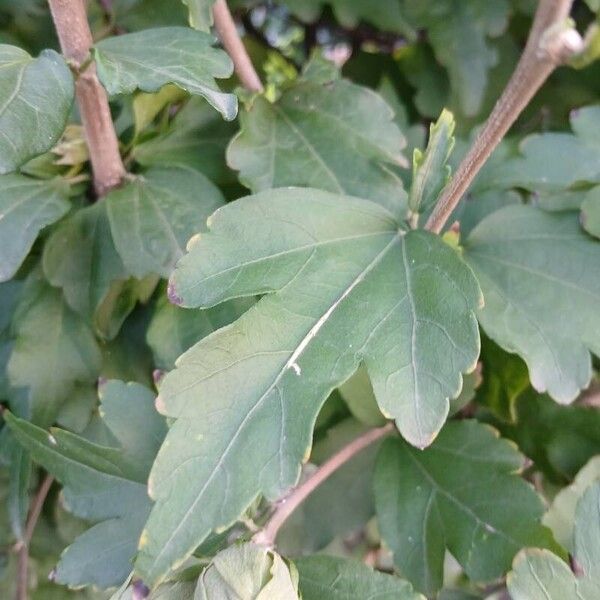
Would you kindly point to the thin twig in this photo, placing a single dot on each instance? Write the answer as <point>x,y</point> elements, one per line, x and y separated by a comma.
<point>550,44</point>
<point>266,536</point>
<point>34,514</point>
<point>72,27</point>
<point>228,33</point>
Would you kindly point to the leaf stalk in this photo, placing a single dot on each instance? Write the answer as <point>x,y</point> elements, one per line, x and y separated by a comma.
<point>287,505</point>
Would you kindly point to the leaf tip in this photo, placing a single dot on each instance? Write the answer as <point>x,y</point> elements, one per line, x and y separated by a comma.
<point>194,239</point>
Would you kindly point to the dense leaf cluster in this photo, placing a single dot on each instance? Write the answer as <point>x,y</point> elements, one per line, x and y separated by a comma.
<point>261,290</point>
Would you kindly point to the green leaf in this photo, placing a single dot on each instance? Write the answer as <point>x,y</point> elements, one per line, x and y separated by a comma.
<point>331,578</point>
<point>590,212</point>
<point>18,488</point>
<point>54,349</point>
<point>187,59</point>
<point>37,94</point>
<point>81,258</point>
<point>540,575</point>
<point>10,293</point>
<point>327,257</point>
<point>557,160</point>
<point>153,216</point>
<point>459,32</point>
<point>561,514</point>
<point>505,378</point>
<point>385,15</point>
<point>358,394</point>
<point>102,484</point>
<point>26,207</point>
<point>464,494</point>
<point>540,277</point>
<point>146,107</point>
<point>174,330</point>
<point>339,137</point>
<point>200,13</point>
<point>247,572</point>
<point>430,170</point>
<point>196,138</point>
<point>559,439</point>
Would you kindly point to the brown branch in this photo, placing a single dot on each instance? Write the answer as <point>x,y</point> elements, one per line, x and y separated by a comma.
<point>242,64</point>
<point>23,558</point>
<point>72,27</point>
<point>266,536</point>
<point>549,44</point>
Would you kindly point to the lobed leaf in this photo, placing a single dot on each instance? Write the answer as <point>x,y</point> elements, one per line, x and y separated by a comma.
<point>186,58</point>
<point>335,136</point>
<point>523,258</point>
<point>464,494</point>
<point>263,379</point>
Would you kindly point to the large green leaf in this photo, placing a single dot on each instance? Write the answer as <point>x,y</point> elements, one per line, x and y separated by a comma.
<point>37,94</point>
<point>247,572</point>
<point>186,58</point>
<point>26,206</point>
<point>153,216</point>
<point>54,349</point>
<point>350,287</point>
<point>105,485</point>
<point>540,276</point>
<point>330,578</point>
<point>540,575</point>
<point>335,136</point>
<point>464,494</point>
